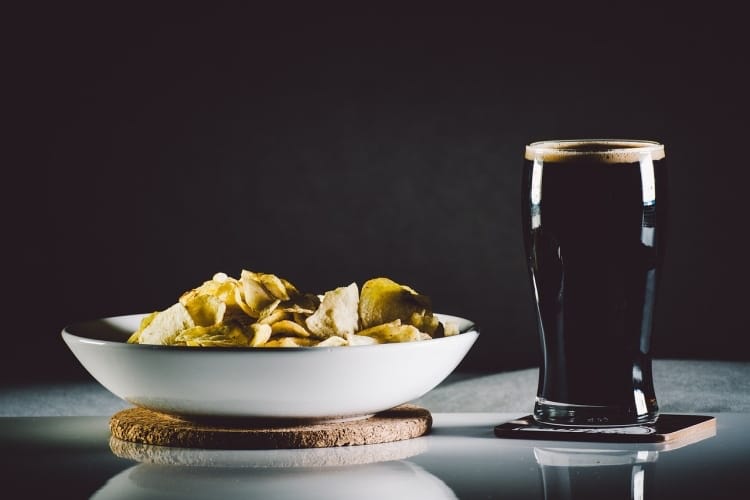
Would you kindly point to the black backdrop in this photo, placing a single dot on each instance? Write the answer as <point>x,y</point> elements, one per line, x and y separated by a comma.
<point>157,144</point>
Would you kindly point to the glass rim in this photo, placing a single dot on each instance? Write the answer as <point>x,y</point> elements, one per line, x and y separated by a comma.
<point>608,150</point>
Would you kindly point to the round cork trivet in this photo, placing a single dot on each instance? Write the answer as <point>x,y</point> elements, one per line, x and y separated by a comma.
<point>139,425</point>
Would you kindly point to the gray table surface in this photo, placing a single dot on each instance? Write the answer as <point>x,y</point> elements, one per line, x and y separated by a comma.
<point>75,457</point>
<point>681,386</point>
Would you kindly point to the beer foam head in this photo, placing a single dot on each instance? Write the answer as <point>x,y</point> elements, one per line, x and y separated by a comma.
<point>600,150</point>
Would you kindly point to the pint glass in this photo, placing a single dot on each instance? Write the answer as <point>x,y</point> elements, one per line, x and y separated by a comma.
<point>593,225</point>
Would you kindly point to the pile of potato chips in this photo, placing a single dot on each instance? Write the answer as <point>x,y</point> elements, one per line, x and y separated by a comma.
<point>263,310</point>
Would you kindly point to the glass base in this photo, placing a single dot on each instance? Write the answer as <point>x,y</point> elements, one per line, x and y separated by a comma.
<point>572,415</point>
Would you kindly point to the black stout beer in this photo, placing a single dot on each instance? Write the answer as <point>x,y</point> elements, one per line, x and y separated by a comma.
<point>593,223</point>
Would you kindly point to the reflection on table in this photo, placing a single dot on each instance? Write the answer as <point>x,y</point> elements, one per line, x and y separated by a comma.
<point>76,457</point>
<point>620,471</point>
<point>570,473</point>
<point>378,471</point>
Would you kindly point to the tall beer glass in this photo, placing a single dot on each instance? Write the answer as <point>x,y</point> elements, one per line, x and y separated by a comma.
<point>593,224</point>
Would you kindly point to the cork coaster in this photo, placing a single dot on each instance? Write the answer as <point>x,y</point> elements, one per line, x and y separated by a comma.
<point>139,425</point>
<point>668,428</point>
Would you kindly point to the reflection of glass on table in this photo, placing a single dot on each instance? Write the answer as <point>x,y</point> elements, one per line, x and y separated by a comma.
<point>585,470</point>
<point>579,473</point>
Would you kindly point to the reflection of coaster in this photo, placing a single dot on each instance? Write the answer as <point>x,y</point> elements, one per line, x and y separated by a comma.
<point>139,425</point>
<point>668,428</point>
<point>339,456</point>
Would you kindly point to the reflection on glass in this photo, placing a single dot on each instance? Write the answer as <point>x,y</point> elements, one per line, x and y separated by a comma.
<point>612,471</point>
<point>371,471</point>
<point>579,473</point>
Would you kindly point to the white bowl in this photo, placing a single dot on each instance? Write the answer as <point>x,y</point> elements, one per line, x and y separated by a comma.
<point>311,383</point>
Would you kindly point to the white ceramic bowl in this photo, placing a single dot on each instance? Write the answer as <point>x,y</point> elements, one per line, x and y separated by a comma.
<point>311,383</point>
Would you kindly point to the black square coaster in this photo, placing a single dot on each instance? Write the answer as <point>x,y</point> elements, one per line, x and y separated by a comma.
<point>668,428</point>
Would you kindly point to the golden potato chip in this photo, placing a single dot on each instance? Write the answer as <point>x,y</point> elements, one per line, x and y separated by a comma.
<point>254,293</point>
<point>356,339</point>
<point>337,313</point>
<point>223,335</point>
<point>263,309</point>
<point>134,338</point>
<point>220,286</point>
<point>373,330</point>
<point>239,298</point>
<point>405,333</point>
<point>260,334</point>
<point>301,303</point>
<point>237,315</point>
<point>290,342</point>
<point>424,321</point>
<point>393,332</point>
<point>291,290</point>
<point>166,325</point>
<point>288,328</point>
<point>332,341</point>
<point>272,314</point>
<point>300,318</point>
<point>273,285</point>
<point>450,328</point>
<point>206,310</point>
<point>382,300</point>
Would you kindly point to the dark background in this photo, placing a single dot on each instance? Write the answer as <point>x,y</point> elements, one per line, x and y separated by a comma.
<point>153,145</point>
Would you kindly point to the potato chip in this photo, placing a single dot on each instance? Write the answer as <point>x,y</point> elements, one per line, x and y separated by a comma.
<point>373,330</point>
<point>255,294</point>
<point>223,335</point>
<point>291,290</point>
<point>301,303</point>
<point>394,332</point>
<point>135,337</point>
<point>424,321</point>
<point>206,310</point>
<point>272,314</point>
<point>356,339</point>
<point>290,342</point>
<point>220,286</point>
<point>260,334</point>
<point>264,310</point>
<point>383,300</point>
<point>332,341</point>
<point>450,328</point>
<point>300,318</point>
<point>166,325</point>
<point>337,313</point>
<point>273,286</point>
<point>286,328</point>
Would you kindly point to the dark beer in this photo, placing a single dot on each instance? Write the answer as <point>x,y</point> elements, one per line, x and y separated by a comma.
<point>594,221</point>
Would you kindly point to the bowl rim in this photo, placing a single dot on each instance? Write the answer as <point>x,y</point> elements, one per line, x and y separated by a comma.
<point>471,330</point>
